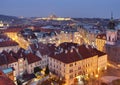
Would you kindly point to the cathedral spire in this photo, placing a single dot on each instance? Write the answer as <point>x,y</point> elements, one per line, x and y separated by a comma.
<point>111,24</point>
<point>111,15</point>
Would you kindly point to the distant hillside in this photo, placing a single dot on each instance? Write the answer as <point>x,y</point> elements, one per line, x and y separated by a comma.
<point>8,18</point>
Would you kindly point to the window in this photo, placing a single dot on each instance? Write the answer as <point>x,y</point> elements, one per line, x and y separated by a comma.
<point>79,73</point>
<point>71,65</point>
<point>71,76</point>
<point>75,74</point>
<point>79,68</point>
<point>71,70</point>
<point>75,63</point>
<point>64,65</point>
<point>37,63</point>
<point>57,66</point>
<point>64,70</point>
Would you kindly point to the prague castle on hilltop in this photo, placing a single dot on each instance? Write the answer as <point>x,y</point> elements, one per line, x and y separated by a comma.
<point>69,53</point>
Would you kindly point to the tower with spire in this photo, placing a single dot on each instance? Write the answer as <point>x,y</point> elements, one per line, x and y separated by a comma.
<point>111,32</point>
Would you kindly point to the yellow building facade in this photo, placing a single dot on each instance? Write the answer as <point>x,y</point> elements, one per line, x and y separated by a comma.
<point>100,42</point>
<point>70,67</point>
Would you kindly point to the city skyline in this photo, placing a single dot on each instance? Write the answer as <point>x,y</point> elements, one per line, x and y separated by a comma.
<point>59,42</point>
<point>66,8</point>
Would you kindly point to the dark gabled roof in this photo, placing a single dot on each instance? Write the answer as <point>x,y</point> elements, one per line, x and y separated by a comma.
<point>68,45</point>
<point>31,58</point>
<point>68,57</point>
<point>44,49</point>
<point>99,53</point>
<point>76,53</point>
<point>3,59</point>
<point>8,43</point>
<point>9,59</point>
<point>14,29</point>
<point>20,53</point>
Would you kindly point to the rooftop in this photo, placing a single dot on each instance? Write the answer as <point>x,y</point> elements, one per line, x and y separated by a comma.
<point>8,43</point>
<point>8,70</point>
<point>4,80</point>
<point>101,36</point>
<point>31,58</point>
<point>70,52</point>
<point>8,58</point>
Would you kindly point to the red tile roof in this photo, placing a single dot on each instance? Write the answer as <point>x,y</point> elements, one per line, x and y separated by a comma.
<point>66,57</point>
<point>44,49</point>
<point>8,43</point>
<point>8,58</point>
<point>99,53</point>
<point>31,58</point>
<point>3,60</point>
<point>2,36</point>
<point>4,80</point>
<point>20,53</point>
<point>101,36</point>
<point>17,55</point>
<point>13,29</point>
<point>67,45</point>
<point>71,54</point>
<point>85,51</point>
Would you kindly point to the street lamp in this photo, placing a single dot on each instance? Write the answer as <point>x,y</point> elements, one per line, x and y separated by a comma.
<point>96,75</point>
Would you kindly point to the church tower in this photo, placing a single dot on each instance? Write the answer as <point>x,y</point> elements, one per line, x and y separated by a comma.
<point>111,32</point>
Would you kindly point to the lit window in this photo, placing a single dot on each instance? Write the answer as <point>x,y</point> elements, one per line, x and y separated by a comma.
<point>79,68</point>
<point>20,60</point>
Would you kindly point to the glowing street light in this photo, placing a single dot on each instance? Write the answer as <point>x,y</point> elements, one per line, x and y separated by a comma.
<point>96,75</point>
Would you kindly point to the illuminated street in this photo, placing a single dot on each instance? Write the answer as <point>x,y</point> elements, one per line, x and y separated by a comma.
<point>60,42</point>
<point>22,42</point>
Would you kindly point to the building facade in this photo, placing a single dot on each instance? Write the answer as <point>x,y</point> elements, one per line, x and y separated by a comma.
<point>100,42</point>
<point>77,62</point>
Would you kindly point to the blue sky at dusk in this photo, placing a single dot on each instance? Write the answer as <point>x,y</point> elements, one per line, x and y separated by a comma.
<point>62,8</point>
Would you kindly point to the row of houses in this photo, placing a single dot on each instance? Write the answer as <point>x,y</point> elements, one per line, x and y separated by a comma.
<point>74,61</point>
<point>71,61</point>
<point>61,59</point>
<point>21,62</point>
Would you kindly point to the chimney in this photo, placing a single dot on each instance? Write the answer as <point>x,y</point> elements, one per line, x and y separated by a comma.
<point>76,50</point>
<point>36,45</point>
<point>61,50</point>
<point>11,54</point>
<point>66,51</point>
<point>21,55</point>
<point>54,53</point>
<point>71,50</point>
<point>87,46</point>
